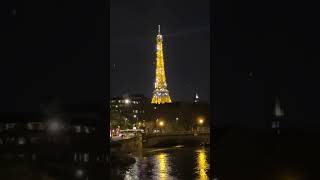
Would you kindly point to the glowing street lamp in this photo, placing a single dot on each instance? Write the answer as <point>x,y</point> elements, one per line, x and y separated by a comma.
<point>161,124</point>
<point>201,121</point>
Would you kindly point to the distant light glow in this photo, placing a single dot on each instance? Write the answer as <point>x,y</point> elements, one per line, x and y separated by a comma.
<point>21,141</point>
<point>277,110</point>
<point>201,121</point>
<point>79,173</point>
<point>54,126</point>
<point>126,101</point>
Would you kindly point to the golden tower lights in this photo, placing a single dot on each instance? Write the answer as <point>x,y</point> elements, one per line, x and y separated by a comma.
<point>160,93</point>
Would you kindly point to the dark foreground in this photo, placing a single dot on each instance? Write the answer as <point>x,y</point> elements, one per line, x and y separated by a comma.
<point>260,154</point>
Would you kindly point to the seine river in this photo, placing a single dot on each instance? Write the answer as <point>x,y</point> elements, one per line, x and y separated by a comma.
<point>167,164</point>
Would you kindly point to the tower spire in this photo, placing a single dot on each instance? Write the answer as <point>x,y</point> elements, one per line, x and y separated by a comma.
<point>160,93</point>
<point>158,29</point>
<point>196,100</point>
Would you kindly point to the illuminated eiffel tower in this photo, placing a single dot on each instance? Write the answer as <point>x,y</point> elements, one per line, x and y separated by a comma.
<point>160,93</point>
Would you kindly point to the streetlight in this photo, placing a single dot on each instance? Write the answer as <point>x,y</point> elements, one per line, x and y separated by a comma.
<point>161,124</point>
<point>201,121</point>
<point>135,117</point>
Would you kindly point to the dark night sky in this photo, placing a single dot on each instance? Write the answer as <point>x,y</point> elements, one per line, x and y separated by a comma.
<point>186,30</point>
<point>53,50</point>
<point>58,50</point>
<point>279,43</point>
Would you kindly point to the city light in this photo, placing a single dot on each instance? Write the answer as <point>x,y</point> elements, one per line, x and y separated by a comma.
<point>201,120</point>
<point>21,141</point>
<point>127,101</point>
<point>161,123</point>
<point>79,173</point>
<point>54,126</point>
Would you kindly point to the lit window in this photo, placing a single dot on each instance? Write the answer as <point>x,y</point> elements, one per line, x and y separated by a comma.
<point>21,141</point>
<point>126,101</point>
<point>86,157</point>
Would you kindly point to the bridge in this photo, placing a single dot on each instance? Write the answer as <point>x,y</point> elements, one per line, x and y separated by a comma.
<point>161,139</point>
<point>176,138</point>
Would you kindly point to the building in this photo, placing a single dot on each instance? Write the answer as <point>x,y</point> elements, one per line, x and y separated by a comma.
<point>136,110</point>
<point>178,116</point>
<point>127,111</point>
<point>70,136</point>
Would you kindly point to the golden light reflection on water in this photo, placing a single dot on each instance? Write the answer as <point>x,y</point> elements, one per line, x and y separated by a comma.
<point>169,165</point>
<point>163,165</point>
<point>202,165</point>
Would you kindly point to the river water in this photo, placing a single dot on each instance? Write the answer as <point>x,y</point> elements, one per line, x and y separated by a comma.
<point>186,163</point>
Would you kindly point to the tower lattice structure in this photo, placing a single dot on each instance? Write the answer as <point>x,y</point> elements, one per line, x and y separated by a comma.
<point>160,93</point>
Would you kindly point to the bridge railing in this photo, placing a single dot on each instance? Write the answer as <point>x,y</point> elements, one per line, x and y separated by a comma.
<point>178,133</point>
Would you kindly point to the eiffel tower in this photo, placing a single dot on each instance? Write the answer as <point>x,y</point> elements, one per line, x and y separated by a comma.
<point>160,93</point>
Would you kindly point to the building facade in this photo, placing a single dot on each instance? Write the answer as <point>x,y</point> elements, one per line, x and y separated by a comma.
<point>127,111</point>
